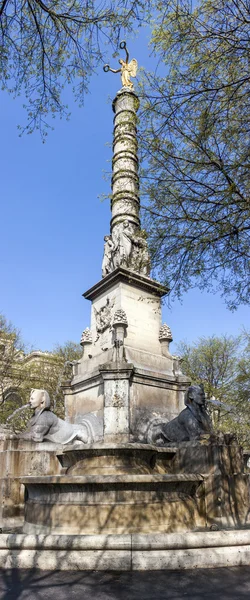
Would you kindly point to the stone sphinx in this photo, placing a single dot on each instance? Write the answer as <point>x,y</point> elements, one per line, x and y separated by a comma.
<point>191,423</point>
<point>46,426</point>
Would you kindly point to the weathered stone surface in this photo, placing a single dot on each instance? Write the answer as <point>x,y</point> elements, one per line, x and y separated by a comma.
<point>114,459</point>
<point>20,458</point>
<point>100,560</point>
<point>226,486</point>
<point>110,504</point>
<point>126,552</point>
<point>142,307</point>
<point>136,488</point>
<point>154,388</point>
<point>191,559</point>
<point>116,401</point>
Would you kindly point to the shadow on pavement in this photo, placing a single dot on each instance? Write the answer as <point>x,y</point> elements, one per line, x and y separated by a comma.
<point>201,584</point>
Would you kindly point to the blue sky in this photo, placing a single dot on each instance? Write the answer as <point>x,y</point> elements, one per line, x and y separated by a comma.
<point>53,224</point>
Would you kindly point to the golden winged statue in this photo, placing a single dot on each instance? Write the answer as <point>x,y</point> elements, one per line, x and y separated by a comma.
<point>127,70</point>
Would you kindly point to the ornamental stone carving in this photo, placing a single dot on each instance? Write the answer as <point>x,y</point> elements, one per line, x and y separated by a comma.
<point>86,337</point>
<point>120,318</point>
<point>108,262</point>
<point>128,248</point>
<point>165,333</point>
<point>120,324</point>
<point>103,316</point>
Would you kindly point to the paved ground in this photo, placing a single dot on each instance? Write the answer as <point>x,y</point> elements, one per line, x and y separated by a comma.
<point>203,584</point>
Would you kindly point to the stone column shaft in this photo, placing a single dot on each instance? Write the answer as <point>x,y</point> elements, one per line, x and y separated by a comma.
<point>125,203</point>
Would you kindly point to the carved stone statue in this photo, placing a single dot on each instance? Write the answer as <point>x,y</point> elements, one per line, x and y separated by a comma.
<point>45,425</point>
<point>190,424</point>
<point>134,250</point>
<point>108,258</point>
<point>117,250</point>
<point>125,244</point>
<point>127,70</point>
<point>127,248</point>
<point>142,260</point>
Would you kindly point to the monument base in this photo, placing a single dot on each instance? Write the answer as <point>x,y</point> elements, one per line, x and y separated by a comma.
<point>141,488</point>
<point>127,374</point>
<point>126,552</point>
<point>136,507</point>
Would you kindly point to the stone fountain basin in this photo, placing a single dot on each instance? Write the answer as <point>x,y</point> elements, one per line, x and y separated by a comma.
<point>107,459</point>
<point>113,504</point>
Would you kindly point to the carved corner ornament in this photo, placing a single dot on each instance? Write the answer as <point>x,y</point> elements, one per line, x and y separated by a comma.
<point>120,318</point>
<point>165,333</point>
<point>86,337</point>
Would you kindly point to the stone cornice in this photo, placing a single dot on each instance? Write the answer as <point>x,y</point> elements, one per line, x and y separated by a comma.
<point>122,275</point>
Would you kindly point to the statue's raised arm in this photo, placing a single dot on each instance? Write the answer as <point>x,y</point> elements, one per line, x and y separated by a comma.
<point>127,70</point>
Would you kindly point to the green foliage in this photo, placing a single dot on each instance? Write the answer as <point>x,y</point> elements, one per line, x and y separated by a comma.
<point>65,354</point>
<point>11,378</point>
<point>21,371</point>
<point>18,419</point>
<point>47,45</point>
<point>69,351</point>
<point>211,361</point>
<point>222,364</point>
<point>243,372</point>
<point>194,135</point>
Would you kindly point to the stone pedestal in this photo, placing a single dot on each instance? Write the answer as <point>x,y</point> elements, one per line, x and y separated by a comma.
<point>125,377</point>
<point>116,394</point>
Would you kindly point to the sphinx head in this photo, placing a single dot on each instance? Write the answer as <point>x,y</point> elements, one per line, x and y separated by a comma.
<point>195,395</point>
<point>39,399</point>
